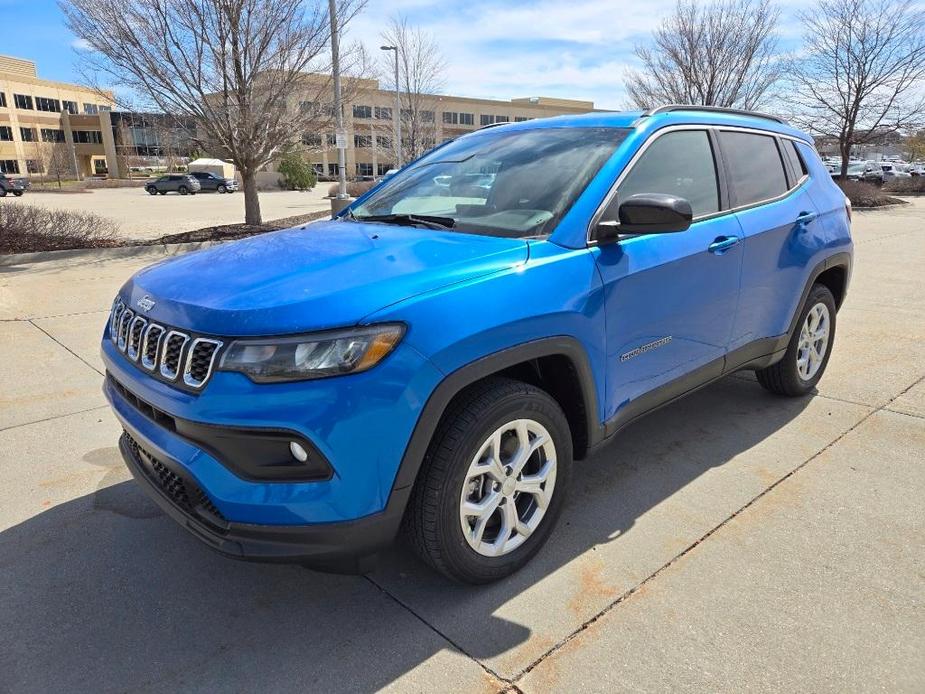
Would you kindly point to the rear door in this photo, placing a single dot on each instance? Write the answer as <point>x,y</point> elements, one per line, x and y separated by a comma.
<point>781,233</point>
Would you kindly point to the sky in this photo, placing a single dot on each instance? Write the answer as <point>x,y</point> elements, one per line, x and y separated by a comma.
<point>502,49</point>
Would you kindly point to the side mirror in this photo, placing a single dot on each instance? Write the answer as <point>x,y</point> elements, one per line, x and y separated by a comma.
<point>646,213</point>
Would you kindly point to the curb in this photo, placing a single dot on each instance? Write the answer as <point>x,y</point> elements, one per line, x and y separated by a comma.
<point>166,249</point>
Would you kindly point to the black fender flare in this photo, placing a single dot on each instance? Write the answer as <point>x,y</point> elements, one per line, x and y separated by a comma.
<point>485,366</point>
<point>842,260</point>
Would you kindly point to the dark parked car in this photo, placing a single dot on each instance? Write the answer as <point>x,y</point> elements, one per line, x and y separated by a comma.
<point>209,181</point>
<point>178,183</point>
<point>16,186</point>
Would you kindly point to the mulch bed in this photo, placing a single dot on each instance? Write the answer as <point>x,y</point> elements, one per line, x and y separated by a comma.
<point>230,232</point>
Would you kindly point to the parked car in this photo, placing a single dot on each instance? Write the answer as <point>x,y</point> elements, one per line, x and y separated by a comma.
<point>219,184</point>
<point>13,184</point>
<point>891,171</point>
<point>436,363</point>
<point>917,170</point>
<point>179,183</point>
<point>869,172</point>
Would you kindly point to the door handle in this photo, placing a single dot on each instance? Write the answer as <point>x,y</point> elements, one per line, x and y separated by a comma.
<point>722,244</point>
<point>805,217</point>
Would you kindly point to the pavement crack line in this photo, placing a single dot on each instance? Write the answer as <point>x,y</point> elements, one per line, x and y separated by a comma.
<point>57,341</point>
<point>55,416</point>
<point>401,603</point>
<point>625,596</point>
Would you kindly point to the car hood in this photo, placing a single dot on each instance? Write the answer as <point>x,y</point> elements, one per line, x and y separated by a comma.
<point>323,275</point>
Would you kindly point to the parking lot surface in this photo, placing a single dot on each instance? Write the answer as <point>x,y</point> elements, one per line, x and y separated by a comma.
<point>731,541</point>
<point>140,216</point>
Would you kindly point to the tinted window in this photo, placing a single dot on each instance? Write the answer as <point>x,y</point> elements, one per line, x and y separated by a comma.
<point>755,167</point>
<point>796,161</point>
<point>678,163</point>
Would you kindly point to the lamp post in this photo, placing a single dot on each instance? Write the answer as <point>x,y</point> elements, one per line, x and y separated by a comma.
<point>397,108</point>
<point>338,107</point>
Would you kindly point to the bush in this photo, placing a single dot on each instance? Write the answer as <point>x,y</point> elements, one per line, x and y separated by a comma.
<point>27,229</point>
<point>866,194</point>
<point>298,173</point>
<point>914,184</point>
<point>354,188</point>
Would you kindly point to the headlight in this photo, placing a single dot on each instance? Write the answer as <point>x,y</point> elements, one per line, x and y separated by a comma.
<point>317,355</point>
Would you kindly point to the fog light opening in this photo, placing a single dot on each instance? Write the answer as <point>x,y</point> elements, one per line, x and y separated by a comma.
<point>298,452</point>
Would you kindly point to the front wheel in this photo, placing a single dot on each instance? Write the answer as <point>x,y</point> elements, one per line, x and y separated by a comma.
<point>152,191</point>
<point>17,193</point>
<point>809,348</point>
<point>493,482</point>
<point>183,190</point>
<point>222,189</point>
<point>2,192</point>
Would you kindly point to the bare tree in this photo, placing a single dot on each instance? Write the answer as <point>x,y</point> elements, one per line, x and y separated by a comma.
<point>55,160</point>
<point>861,70</point>
<point>723,54</point>
<point>234,66</point>
<point>421,68</point>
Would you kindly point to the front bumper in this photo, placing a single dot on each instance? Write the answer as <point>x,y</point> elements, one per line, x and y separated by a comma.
<point>349,547</point>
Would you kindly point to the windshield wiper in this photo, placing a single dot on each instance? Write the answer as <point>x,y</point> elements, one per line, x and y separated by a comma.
<point>426,220</point>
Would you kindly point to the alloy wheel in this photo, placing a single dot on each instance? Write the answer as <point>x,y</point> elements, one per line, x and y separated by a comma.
<point>814,341</point>
<point>508,487</point>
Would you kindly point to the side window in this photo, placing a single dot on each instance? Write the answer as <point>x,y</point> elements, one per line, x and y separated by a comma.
<point>755,167</point>
<point>677,163</point>
<point>796,161</point>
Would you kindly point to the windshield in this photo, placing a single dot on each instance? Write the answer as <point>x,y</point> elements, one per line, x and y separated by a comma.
<point>499,183</point>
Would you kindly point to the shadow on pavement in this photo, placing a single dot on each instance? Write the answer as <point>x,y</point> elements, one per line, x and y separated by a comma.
<point>105,593</point>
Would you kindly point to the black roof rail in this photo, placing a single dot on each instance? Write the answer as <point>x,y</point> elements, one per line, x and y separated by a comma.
<point>668,108</point>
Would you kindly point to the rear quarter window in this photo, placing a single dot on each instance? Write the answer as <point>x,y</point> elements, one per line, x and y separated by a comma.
<point>755,167</point>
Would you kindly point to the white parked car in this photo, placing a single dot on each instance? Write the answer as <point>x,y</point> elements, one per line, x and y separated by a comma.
<point>891,171</point>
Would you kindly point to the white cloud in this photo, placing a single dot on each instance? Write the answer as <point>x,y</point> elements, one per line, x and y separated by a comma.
<point>81,45</point>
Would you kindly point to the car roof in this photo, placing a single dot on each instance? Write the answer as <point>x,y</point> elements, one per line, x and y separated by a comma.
<point>656,118</point>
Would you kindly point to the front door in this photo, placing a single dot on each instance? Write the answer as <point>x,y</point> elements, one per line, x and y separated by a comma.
<point>670,299</point>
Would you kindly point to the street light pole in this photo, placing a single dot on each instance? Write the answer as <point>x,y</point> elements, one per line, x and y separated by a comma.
<point>397,108</point>
<point>339,135</point>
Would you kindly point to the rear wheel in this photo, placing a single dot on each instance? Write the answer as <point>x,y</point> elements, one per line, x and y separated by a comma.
<point>809,348</point>
<point>183,190</point>
<point>17,193</point>
<point>493,482</point>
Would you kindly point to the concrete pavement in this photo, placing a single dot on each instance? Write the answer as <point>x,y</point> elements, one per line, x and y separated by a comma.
<point>731,541</point>
<point>139,216</point>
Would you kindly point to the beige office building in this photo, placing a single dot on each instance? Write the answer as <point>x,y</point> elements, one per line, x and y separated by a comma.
<point>370,117</point>
<point>38,114</point>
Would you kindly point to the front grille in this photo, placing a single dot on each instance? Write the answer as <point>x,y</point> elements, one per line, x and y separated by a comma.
<point>162,350</point>
<point>181,491</point>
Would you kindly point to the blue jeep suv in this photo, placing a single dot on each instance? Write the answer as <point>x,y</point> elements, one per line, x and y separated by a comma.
<point>435,357</point>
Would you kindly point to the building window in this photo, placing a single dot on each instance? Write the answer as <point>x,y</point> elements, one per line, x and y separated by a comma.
<point>69,106</point>
<point>2,100</point>
<point>23,101</point>
<point>332,169</point>
<point>406,114</point>
<point>104,108</point>
<point>88,137</point>
<point>382,169</point>
<point>9,166</point>
<point>450,117</point>
<point>502,119</point>
<point>318,169</point>
<point>311,140</point>
<point>383,142</point>
<point>28,135</point>
<point>45,104</point>
<point>331,140</point>
<point>485,119</point>
<point>33,167</point>
<point>362,141</point>
<point>362,111</point>
<point>521,119</point>
<point>52,135</point>
<point>383,113</point>
<point>427,116</point>
<point>91,109</point>
<point>466,119</point>
<point>364,169</point>
<point>6,133</point>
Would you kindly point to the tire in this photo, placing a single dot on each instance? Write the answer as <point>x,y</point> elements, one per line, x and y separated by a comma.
<point>803,365</point>
<point>183,190</point>
<point>162,192</point>
<point>222,189</point>
<point>17,193</point>
<point>152,191</point>
<point>434,520</point>
<point>2,192</point>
